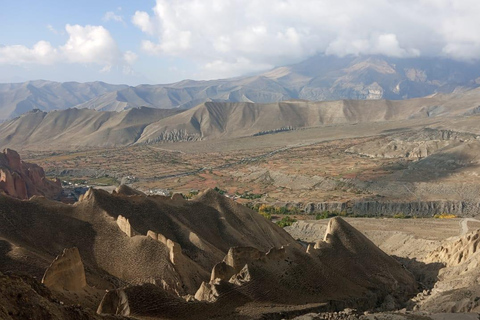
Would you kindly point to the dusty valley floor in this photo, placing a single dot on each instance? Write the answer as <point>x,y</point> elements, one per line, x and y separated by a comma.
<point>401,161</point>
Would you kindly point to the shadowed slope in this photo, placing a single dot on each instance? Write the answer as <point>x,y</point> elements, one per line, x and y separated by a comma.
<point>23,297</point>
<point>171,242</point>
<point>346,266</point>
<point>78,127</point>
<point>161,247</point>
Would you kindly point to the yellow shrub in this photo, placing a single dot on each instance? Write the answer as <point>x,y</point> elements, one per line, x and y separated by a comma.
<point>445,216</point>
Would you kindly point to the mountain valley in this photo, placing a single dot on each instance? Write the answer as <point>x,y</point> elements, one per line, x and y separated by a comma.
<point>138,212</point>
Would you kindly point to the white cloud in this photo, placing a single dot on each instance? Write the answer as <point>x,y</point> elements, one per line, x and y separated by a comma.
<point>223,35</point>
<point>130,57</point>
<point>142,20</point>
<point>41,53</point>
<point>384,44</point>
<point>90,44</point>
<point>220,69</point>
<point>111,16</point>
<point>85,45</point>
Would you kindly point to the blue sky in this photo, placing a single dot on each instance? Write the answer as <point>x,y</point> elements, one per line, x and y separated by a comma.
<point>27,22</point>
<point>164,41</point>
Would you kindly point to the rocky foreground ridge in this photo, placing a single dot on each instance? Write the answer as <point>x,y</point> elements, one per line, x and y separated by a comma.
<point>23,180</point>
<point>173,258</point>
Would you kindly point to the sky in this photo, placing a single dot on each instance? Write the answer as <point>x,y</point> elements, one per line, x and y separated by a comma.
<point>165,41</point>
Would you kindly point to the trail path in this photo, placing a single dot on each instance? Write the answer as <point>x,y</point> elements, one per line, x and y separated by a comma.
<point>464,225</point>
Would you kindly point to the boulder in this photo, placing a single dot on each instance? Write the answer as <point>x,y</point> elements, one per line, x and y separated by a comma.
<point>66,272</point>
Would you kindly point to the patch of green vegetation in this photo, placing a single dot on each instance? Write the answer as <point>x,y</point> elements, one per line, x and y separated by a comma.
<point>264,208</point>
<point>286,221</point>
<point>330,214</point>
<point>267,216</point>
<point>106,181</point>
<point>220,190</point>
<point>191,194</point>
<point>250,196</point>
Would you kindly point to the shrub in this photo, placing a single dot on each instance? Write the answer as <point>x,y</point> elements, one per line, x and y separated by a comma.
<point>325,215</point>
<point>444,215</point>
<point>219,190</point>
<point>266,215</point>
<point>286,221</point>
<point>249,196</point>
<point>264,208</point>
<point>191,194</point>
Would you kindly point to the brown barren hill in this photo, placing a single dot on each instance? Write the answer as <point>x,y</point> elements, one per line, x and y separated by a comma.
<point>140,247</point>
<point>85,128</point>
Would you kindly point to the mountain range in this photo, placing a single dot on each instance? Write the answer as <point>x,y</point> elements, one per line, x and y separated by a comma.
<point>72,128</point>
<point>317,79</point>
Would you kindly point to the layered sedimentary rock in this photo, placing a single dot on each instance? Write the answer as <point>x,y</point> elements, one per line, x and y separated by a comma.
<point>22,180</point>
<point>389,208</point>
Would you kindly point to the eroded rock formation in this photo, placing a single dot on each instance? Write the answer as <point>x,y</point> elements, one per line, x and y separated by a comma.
<point>22,180</point>
<point>174,247</point>
<point>66,272</point>
<point>458,285</point>
<point>124,225</point>
<point>344,265</point>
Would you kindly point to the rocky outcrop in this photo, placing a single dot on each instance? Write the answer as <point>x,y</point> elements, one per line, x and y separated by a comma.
<point>174,249</point>
<point>175,135</point>
<point>344,265</point>
<point>232,269</point>
<point>177,197</point>
<point>412,146</point>
<point>124,225</point>
<point>239,256</point>
<point>127,191</point>
<point>114,302</point>
<point>390,208</point>
<point>458,285</point>
<point>145,300</point>
<point>23,180</point>
<point>23,297</point>
<point>456,252</point>
<point>66,272</point>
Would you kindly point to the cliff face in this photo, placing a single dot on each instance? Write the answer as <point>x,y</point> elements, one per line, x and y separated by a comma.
<point>389,208</point>
<point>22,180</point>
